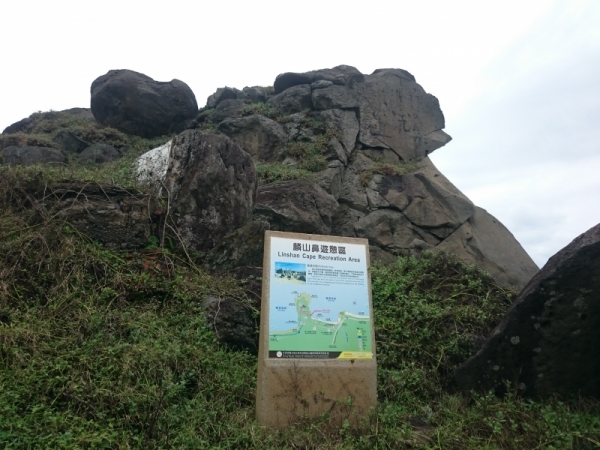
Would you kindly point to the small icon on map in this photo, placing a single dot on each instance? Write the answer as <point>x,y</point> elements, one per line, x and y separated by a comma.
<point>279,354</point>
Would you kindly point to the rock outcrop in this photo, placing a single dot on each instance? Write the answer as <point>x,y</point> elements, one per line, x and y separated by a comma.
<point>30,155</point>
<point>297,205</point>
<point>367,138</point>
<point>136,104</point>
<point>209,182</point>
<point>120,219</point>
<point>338,153</point>
<point>547,343</point>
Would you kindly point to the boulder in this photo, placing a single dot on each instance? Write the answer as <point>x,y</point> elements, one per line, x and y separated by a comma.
<point>547,342</point>
<point>31,155</point>
<point>21,125</point>
<point>397,114</point>
<point>235,322</point>
<point>136,104</point>
<point>299,206</point>
<point>340,75</point>
<point>228,108</point>
<point>257,135</point>
<point>220,95</point>
<point>99,153</point>
<point>70,142</point>
<point>293,100</point>
<point>254,94</point>
<point>210,184</point>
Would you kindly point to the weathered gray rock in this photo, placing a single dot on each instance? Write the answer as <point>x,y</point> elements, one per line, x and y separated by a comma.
<point>298,205</point>
<point>335,151</point>
<point>388,229</point>
<point>21,125</point>
<point>258,135</point>
<point>548,341</point>
<point>484,241</point>
<point>345,125</point>
<point>242,247</point>
<point>379,256</point>
<point>235,322</point>
<point>352,191</point>
<point>70,142</point>
<point>334,97</point>
<point>331,178</point>
<point>136,104</point>
<point>254,94</point>
<point>293,100</point>
<point>344,219</point>
<point>396,113</point>
<point>340,75</point>
<point>210,183</point>
<point>225,93</point>
<point>99,153</point>
<point>31,155</point>
<point>118,218</point>
<point>228,108</point>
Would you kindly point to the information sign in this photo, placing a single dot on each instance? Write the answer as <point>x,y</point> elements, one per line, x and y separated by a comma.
<point>319,300</point>
<point>316,351</point>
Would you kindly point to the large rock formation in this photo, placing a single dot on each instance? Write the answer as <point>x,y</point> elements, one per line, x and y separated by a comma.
<point>136,104</point>
<point>548,342</point>
<point>366,138</point>
<point>209,182</point>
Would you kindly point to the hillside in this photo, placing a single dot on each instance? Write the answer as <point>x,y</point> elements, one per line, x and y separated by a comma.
<point>111,349</point>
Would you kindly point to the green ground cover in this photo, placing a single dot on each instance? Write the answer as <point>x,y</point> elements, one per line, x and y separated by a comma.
<point>105,349</point>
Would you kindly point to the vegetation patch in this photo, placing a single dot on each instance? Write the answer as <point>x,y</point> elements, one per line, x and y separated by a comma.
<point>387,169</point>
<point>46,125</point>
<point>272,173</point>
<point>205,120</point>
<point>263,109</point>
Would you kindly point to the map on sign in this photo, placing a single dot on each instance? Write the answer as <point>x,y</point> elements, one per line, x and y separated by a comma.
<point>319,301</point>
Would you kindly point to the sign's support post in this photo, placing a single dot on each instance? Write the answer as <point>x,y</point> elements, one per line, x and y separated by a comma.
<point>317,341</point>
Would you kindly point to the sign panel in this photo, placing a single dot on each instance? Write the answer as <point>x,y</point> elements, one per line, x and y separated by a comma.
<point>319,300</point>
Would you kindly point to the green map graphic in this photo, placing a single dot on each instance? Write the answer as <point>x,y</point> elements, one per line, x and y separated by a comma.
<point>351,332</point>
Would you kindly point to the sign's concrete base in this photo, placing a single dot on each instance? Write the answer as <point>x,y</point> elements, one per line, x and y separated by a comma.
<point>291,390</point>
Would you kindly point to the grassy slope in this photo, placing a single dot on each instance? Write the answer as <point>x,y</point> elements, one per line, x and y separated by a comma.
<point>101,349</point>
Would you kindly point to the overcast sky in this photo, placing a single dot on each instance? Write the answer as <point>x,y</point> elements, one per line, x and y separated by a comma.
<point>518,81</point>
